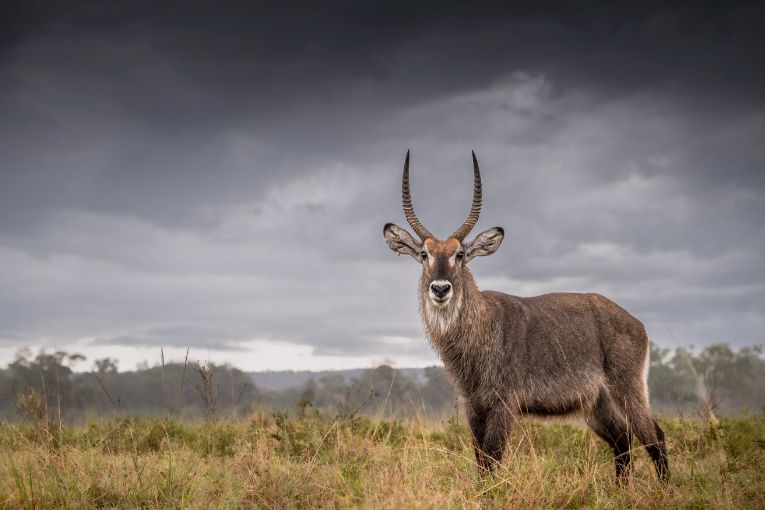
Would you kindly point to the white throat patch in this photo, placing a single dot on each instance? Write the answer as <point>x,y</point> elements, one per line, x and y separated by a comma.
<point>439,319</point>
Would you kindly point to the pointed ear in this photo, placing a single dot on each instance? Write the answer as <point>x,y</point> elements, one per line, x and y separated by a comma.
<point>485,243</point>
<point>401,241</point>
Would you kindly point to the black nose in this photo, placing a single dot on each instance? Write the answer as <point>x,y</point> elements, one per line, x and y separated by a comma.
<point>440,289</point>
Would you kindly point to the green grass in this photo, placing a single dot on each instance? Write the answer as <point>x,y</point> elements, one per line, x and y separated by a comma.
<point>316,462</point>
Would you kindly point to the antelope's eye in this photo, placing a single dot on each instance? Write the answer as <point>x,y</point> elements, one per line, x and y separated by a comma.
<point>424,255</point>
<point>460,254</point>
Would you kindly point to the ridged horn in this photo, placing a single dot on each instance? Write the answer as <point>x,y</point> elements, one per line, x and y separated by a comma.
<point>406,200</point>
<point>475,209</point>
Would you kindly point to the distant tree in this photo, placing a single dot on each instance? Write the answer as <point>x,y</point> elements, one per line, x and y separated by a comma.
<point>50,376</point>
<point>670,384</point>
<point>734,378</point>
<point>310,390</point>
<point>437,393</point>
<point>105,365</point>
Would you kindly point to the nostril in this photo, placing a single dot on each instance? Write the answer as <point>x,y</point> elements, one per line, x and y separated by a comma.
<point>440,289</point>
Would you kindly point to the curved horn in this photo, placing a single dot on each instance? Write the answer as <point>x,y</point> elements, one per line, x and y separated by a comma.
<point>406,200</point>
<point>475,209</point>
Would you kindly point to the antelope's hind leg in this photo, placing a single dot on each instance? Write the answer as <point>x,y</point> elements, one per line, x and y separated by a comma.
<point>645,427</point>
<point>659,453</point>
<point>607,423</point>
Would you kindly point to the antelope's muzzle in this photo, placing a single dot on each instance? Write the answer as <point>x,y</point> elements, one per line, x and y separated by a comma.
<point>440,291</point>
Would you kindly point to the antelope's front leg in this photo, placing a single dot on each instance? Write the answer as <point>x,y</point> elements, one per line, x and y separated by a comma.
<point>490,430</point>
<point>495,433</point>
<point>477,424</point>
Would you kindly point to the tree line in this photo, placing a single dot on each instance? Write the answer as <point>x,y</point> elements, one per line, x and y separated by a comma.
<point>682,381</point>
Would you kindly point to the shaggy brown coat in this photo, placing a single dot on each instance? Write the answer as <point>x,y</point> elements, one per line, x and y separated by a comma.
<point>552,355</point>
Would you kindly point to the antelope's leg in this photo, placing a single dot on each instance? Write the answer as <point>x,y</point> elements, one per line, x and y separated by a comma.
<point>477,423</point>
<point>633,402</point>
<point>607,423</point>
<point>496,433</point>
<point>490,431</point>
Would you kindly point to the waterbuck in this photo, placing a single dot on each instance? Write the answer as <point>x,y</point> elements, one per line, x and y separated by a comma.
<point>552,355</point>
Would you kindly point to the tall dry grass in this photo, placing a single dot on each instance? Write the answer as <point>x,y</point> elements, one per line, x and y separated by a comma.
<point>309,460</point>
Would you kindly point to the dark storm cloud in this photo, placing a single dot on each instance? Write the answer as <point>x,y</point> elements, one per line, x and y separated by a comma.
<point>147,92</point>
<point>185,67</point>
<point>194,174</point>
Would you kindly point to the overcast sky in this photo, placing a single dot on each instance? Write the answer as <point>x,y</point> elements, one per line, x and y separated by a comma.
<point>217,178</point>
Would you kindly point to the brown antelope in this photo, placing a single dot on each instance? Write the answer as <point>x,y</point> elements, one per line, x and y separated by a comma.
<point>551,355</point>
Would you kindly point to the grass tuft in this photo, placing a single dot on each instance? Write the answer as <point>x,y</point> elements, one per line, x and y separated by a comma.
<point>311,460</point>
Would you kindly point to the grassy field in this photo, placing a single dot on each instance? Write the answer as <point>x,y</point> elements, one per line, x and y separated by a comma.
<point>268,461</point>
